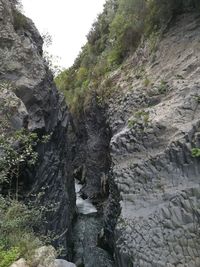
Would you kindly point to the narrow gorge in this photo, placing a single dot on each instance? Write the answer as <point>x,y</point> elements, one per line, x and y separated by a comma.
<point>115,177</point>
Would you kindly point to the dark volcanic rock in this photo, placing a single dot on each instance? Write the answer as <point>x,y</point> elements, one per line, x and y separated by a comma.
<point>154,130</point>
<point>39,108</point>
<point>87,251</point>
<point>93,233</point>
<point>151,149</point>
<point>92,160</point>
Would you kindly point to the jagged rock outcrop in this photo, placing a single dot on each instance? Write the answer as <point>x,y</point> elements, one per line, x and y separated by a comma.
<point>154,118</point>
<point>34,103</point>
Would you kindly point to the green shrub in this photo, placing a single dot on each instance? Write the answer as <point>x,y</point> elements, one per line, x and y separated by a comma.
<point>16,156</point>
<point>196,152</point>
<point>127,27</point>
<point>140,117</point>
<point>17,219</point>
<point>8,256</point>
<point>153,41</point>
<point>114,36</point>
<point>81,76</point>
<point>131,123</point>
<point>115,57</point>
<point>160,13</point>
<point>197,98</point>
<point>162,87</point>
<point>16,227</point>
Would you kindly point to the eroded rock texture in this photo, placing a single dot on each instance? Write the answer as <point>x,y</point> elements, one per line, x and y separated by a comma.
<point>34,103</point>
<point>155,124</point>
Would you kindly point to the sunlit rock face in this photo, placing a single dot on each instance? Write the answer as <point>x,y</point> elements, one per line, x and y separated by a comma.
<point>153,121</point>
<point>39,108</point>
<point>154,127</point>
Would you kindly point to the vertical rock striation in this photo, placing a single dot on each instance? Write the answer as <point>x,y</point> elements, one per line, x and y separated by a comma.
<point>154,122</point>
<point>92,159</point>
<point>93,246</point>
<point>155,126</point>
<point>24,71</point>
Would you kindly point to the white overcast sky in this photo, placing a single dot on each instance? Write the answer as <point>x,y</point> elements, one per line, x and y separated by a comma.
<point>67,21</point>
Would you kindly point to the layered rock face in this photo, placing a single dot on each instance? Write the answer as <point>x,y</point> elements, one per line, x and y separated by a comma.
<point>33,102</point>
<point>154,118</point>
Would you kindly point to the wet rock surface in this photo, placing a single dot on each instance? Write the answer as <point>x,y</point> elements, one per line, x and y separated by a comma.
<point>87,251</point>
<point>87,227</point>
<point>84,206</point>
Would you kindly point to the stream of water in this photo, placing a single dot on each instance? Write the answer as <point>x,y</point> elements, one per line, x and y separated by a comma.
<point>84,206</point>
<point>85,233</point>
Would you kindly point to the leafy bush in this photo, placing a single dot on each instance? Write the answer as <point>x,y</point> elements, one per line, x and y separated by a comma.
<point>16,155</point>
<point>196,152</point>
<point>114,36</point>
<point>7,257</point>
<point>160,13</point>
<point>162,87</point>
<point>131,123</point>
<point>197,98</point>
<point>16,228</point>
<point>141,117</point>
<point>17,219</point>
<point>127,26</point>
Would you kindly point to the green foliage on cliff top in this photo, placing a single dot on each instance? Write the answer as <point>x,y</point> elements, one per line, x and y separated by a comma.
<point>114,36</point>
